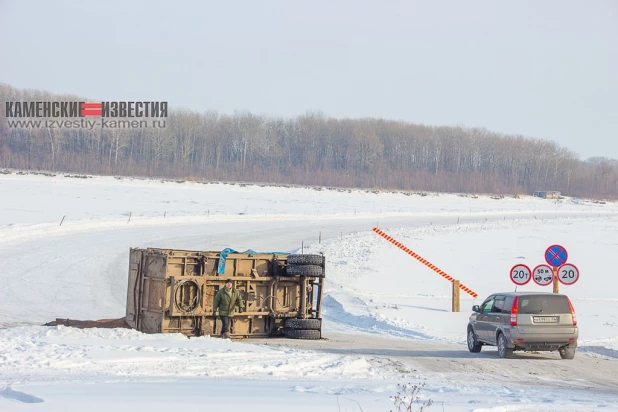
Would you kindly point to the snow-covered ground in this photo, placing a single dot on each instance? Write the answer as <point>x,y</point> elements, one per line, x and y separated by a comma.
<point>78,270</point>
<point>47,199</point>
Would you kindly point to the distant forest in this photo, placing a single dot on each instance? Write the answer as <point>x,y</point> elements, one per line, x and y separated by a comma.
<point>311,149</point>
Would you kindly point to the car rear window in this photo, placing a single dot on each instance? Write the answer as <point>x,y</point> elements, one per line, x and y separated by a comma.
<point>543,304</point>
<point>508,304</point>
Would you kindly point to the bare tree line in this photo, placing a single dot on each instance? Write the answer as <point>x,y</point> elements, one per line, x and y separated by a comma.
<point>311,149</point>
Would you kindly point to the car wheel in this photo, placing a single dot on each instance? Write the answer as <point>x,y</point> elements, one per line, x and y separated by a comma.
<point>473,345</point>
<point>567,352</point>
<point>503,347</point>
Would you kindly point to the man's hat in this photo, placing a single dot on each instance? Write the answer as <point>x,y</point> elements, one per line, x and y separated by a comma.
<point>228,281</point>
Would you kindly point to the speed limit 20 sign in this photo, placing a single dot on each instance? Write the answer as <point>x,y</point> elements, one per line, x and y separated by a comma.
<point>568,274</point>
<point>520,274</point>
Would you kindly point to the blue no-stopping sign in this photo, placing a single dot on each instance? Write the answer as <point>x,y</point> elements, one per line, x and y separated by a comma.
<point>556,255</point>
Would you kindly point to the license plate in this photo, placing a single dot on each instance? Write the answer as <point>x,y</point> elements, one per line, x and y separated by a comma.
<point>545,319</point>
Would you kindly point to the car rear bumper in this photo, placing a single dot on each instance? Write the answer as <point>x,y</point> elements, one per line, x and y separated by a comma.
<point>542,346</point>
<point>541,342</point>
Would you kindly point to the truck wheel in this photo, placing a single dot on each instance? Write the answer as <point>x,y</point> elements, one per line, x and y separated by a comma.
<point>302,334</point>
<point>305,270</point>
<point>305,260</point>
<point>302,324</point>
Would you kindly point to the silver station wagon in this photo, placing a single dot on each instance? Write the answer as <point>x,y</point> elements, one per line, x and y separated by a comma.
<point>527,321</point>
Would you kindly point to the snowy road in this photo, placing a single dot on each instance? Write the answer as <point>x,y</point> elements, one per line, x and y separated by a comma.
<point>439,361</point>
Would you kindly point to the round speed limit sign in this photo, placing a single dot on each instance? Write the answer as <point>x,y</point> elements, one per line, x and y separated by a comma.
<point>520,274</point>
<point>543,275</point>
<point>568,274</point>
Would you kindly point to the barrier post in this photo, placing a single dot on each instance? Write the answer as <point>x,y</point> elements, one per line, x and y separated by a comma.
<point>455,307</point>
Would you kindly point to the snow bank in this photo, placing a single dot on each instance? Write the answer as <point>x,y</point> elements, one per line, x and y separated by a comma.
<point>52,353</point>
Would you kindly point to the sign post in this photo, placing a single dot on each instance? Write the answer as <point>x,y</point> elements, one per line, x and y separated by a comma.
<point>556,286</point>
<point>555,256</point>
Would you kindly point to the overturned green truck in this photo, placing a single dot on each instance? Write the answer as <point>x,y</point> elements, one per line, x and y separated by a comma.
<point>172,291</point>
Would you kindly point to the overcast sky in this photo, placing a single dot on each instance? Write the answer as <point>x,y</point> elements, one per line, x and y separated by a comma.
<point>546,69</point>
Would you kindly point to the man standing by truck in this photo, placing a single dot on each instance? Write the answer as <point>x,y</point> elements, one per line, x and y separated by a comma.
<point>226,300</point>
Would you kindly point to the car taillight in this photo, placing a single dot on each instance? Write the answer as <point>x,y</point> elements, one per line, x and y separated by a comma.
<point>514,311</point>
<point>572,311</point>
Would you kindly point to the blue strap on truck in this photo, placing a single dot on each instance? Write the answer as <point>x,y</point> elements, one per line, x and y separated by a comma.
<point>227,251</point>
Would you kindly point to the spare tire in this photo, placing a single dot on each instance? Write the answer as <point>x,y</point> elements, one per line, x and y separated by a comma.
<point>302,334</point>
<point>305,270</point>
<point>305,324</point>
<point>305,260</point>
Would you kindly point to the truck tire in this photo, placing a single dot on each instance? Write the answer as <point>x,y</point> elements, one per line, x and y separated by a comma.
<point>305,270</point>
<point>305,260</point>
<point>302,324</point>
<point>302,334</point>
